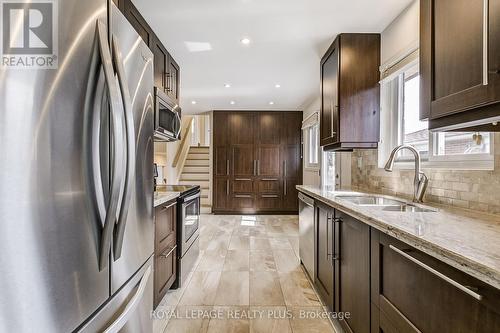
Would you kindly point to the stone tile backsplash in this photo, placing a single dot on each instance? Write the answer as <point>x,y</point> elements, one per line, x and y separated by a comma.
<point>478,190</point>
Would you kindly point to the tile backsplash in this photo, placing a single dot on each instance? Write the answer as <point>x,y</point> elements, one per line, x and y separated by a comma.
<point>478,190</point>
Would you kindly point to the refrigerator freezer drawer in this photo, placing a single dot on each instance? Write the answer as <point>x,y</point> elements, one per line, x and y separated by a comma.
<point>129,310</point>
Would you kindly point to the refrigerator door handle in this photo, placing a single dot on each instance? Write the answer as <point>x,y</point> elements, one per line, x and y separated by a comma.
<point>130,149</point>
<point>117,145</point>
<point>122,319</point>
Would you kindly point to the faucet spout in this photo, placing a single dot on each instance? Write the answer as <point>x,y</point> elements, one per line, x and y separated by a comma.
<point>421,179</point>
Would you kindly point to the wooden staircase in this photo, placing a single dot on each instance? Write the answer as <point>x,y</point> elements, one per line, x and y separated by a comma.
<point>196,171</point>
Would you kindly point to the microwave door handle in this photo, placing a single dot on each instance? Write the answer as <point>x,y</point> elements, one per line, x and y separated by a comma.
<point>116,149</point>
<point>179,122</point>
<point>130,150</point>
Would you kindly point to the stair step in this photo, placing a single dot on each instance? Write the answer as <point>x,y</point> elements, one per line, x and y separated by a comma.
<point>193,162</point>
<point>196,169</point>
<point>197,156</point>
<point>202,150</point>
<point>195,176</point>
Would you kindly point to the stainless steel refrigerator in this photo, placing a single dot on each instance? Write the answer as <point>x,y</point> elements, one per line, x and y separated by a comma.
<point>76,180</point>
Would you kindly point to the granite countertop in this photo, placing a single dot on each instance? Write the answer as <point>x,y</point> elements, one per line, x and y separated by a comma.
<point>162,197</point>
<point>465,239</point>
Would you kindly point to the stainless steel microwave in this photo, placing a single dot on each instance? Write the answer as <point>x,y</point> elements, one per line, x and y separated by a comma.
<point>167,118</point>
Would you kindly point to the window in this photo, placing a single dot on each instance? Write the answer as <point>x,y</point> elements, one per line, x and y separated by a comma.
<point>465,150</point>
<point>311,142</point>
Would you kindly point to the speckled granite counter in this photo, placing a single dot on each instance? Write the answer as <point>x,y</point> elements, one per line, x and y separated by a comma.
<point>162,197</point>
<point>464,239</point>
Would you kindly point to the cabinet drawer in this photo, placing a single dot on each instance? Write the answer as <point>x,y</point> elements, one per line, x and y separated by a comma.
<point>269,185</point>
<point>242,185</point>
<point>418,293</point>
<point>165,225</point>
<point>165,271</point>
<point>269,202</point>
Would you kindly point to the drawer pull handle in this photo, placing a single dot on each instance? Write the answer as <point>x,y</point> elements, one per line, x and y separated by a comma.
<point>242,196</point>
<point>269,195</point>
<point>269,179</point>
<point>168,252</point>
<point>242,179</point>
<point>438,274</point>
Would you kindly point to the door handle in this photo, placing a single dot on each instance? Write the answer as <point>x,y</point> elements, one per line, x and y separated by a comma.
<point>284,168</point>
<point>284,187</point>
<point>168,251</point>
<point>227,167</point>
<point>485,40</point>
<point>102,53</point>
<point>254,168</point>
<point>258,167</point>
<point>130,308</point>
<point>227,187</point>
<point>130,149</point>
<point>437,273</point>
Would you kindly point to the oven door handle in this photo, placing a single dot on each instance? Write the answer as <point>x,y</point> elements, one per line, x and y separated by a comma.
<point>192,197</point>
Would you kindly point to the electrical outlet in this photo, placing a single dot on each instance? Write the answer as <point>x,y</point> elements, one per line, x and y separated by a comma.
<point>360,162</point>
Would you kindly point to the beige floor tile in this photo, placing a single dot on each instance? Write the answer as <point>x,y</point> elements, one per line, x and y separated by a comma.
<point>297,290</point>
<point>280,243</point>
<point>237,260</point>
<point>229,326</point>
<point>239,243</point>
<point>262,261</point>
<point>294,241</point>
<point>188,319</point>
<point>310,320</point>
<point>259,243</point>
<point>233,289</point>
<point>212,260</point>
<point>202,289</point>
<point>265,289</point>
<point>258,231</point>
<point>286,260</point>
<point>270,320</point>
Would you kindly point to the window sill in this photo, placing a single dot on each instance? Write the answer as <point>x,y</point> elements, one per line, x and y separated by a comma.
<point>312,168</point>
<point>470,165</point>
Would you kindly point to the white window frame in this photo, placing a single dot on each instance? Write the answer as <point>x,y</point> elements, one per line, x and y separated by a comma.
<point>307,126</point>
<point>391,136</point>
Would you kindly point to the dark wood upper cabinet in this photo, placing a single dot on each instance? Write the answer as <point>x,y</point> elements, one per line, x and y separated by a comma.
<point>350,97</point>
<point>257,161</point>
<point>459,63</point>
<point>138,22</point>
<point>166,70</point>
<point>173,76</point>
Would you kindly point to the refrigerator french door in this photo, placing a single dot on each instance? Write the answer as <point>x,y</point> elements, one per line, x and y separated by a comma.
<point>76,180</point>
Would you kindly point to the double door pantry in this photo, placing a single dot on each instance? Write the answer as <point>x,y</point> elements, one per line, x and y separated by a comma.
<point>257,161</point>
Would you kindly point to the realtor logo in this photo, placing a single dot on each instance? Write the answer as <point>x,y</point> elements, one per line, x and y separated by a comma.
<point>29,34</point>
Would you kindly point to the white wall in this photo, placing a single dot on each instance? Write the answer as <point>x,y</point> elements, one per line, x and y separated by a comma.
<point>311,177</point>
<point>402,34</point>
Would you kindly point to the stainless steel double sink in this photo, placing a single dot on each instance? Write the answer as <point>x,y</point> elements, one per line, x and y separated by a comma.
<point>385,204</point>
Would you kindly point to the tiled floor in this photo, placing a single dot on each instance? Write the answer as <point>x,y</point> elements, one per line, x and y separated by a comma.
<point>247,279</point>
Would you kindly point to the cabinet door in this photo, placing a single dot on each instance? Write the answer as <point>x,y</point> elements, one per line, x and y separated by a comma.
<point>324,246</point>
<point>138,22</point>
<point>165,249</point>
<point>352,243</point>
<point>413,298</point>
<point>292,175</point>
<point>173,79</point>
<point>459,63</point>
<point>329,121</point>
<point>241,136</point>
<point>221,194</point>
<point>160,63</point>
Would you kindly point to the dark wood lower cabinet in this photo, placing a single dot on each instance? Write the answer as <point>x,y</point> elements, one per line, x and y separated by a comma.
<point>324,267</point>
<point>388,286</point>
<point>353,273</point>
<point>414,292</point>
<point>165,262</point>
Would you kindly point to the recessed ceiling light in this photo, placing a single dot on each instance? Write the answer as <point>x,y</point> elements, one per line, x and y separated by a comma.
<point>232,102</point>
<point>271,103</point>
<point>193,102</point>
<point>227,85</point>
<point>277,85</point>
<point>245,41</point>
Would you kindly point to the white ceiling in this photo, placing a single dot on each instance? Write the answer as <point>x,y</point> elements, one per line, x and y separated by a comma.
<point>288,38</point>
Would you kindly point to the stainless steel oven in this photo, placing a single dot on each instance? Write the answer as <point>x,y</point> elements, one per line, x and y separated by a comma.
<point>167,119</point>
<point>190,222</point>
